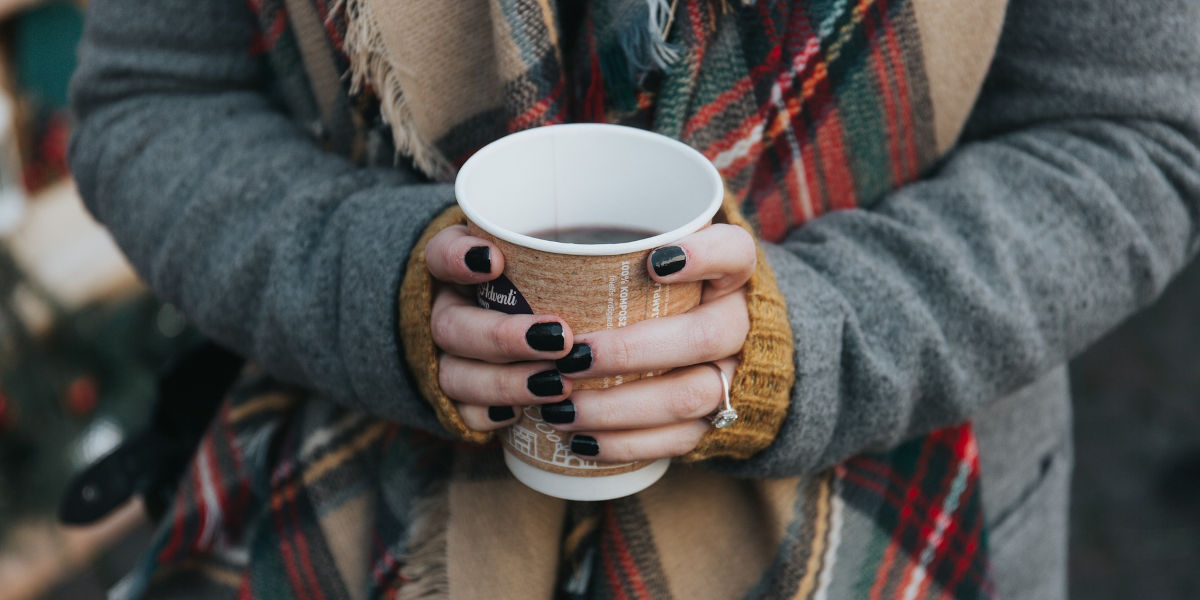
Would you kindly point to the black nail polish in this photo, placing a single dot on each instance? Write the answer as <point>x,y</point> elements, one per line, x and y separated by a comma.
<point>559,412</point>
<point>667,260</point>
<point>545,336</point>
<point>501,413</point>
<point>479,259</point>
<point>545,383</point>
<point>585,445</point>
<point>578,359</point>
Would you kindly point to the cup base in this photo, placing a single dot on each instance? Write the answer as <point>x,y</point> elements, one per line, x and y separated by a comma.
<point>567,487</point>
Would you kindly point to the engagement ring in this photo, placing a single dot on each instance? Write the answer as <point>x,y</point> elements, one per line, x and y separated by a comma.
<point>726,415</point>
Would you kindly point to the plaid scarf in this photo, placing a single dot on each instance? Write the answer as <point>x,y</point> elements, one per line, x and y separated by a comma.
<point>805,108</point>
<point>290,496</point>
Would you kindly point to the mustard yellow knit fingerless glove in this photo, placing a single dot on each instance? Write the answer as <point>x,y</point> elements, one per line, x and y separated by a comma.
<point>760,389</point>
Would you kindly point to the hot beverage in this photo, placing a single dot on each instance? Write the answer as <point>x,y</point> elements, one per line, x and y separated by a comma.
<point>594,235</point>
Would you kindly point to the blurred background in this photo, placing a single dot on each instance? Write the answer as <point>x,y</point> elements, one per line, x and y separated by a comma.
<point>82,342</point>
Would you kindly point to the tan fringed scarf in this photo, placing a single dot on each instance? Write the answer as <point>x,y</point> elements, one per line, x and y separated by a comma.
<point>412,56</point>
<point>437,66</point>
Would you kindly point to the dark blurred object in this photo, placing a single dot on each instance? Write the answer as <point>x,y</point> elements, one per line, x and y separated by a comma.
<point>149,463</point>
<point>72,394</point>
<point>1135,518</point>
<point>1180,483</point>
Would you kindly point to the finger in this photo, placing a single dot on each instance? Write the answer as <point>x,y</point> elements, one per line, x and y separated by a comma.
<point>723,255</point>
<point>711,331</point>
<point>463,329</point>
<point>641,444</point>
<point>485,384</point>
<point>487,418</point>
<point>679,396</point>
<point>453,255</point>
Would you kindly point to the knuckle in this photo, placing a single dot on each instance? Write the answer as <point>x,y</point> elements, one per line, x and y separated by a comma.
<point>437,253</point>
<point>740,327</point>
<point>431,251</point>
<point>450,256</point>
<point>707,337</point>
<point>618,353</point>
<point>472,417</point>
<point>514,330</point>
<point>687,401</point>
<point>446,379</point>
<point>441,325</point>
<point>600,414</point>
<point>680,445</point>
<point>736,239</point>
<point>623,449</point>
<point>503,338</point>
<point>502,386</point>
<point>744,242</point>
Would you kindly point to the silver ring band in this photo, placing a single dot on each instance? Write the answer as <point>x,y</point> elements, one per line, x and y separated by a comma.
<point>726,415</point>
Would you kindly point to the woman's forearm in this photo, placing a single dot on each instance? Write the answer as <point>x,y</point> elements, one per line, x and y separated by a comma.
<point>1074,200</point>
<point>284,252</point>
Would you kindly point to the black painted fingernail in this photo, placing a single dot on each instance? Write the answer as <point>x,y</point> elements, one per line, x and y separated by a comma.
<point>559,412</point>
<point>501,413</point>
<point>578,359</point>
<point>585,445</point>
<point>667,260</point>
<point>545,383</point>
<point>479,259</point>
<point>545,336</point>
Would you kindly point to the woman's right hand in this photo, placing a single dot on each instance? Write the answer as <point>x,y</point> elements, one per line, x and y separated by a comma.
<point>490,363</point>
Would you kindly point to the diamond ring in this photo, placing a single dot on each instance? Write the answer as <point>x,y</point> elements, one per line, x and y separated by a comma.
<point>725,415</point>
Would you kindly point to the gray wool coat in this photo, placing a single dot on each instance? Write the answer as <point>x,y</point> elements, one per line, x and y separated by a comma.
<point>1070,201</point>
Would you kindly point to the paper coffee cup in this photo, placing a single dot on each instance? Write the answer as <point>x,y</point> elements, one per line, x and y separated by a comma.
<point>563,179</point>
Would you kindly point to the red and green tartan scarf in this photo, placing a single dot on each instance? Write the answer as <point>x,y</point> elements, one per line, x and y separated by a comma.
<point>805,107</point>
<point>291,496</point>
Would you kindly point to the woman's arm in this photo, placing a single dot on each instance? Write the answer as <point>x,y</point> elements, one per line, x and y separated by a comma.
<point>290,255</point>
<point>1071,202</point>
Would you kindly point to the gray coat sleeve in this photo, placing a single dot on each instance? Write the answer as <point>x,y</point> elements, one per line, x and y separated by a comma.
<point>1071,201</point>
<point>281,251</point>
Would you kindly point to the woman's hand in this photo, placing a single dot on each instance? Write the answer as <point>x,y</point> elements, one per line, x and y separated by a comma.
<point>493,362</point>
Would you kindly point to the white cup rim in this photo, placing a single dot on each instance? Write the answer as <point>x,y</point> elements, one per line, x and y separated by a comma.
<point>695,224</point>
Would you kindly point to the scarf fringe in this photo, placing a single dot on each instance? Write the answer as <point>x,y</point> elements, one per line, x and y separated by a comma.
<point>425,572</point>
<point>661,54</point>
<point>371,66</point>
<point>642,38</point>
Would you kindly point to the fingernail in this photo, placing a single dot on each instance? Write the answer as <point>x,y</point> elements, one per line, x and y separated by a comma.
<point>545,336</point>
<point>585,445</point>
<point>667,260</point>
<point>479,259</point>
<point>501,413</point>
<point>578,359</point>
<point>545,383</point>
<point>559,412</point>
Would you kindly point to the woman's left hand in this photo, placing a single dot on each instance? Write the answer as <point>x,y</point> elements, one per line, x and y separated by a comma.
<point>663,416</point>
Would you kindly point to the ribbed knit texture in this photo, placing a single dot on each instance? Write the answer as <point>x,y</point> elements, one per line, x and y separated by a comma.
<point>416,306</point>
<point>760,386</point>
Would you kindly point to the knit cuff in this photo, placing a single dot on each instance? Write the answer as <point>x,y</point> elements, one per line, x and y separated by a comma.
<point>762,384</point>
<point>416,307</point>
